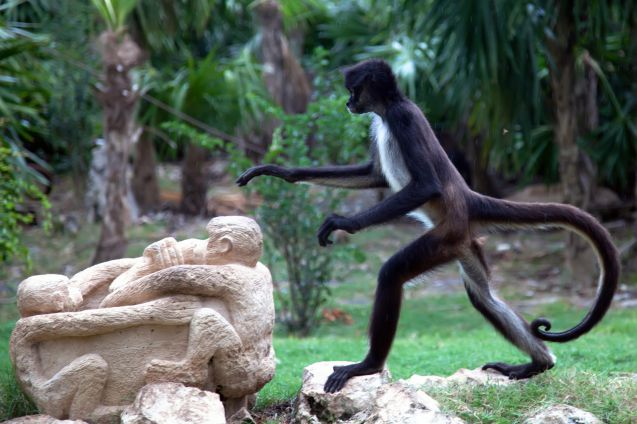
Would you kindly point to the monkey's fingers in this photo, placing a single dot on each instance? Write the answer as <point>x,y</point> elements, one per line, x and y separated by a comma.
<point>246,177</point>
<point>337,380</point>
<point>324,232</point>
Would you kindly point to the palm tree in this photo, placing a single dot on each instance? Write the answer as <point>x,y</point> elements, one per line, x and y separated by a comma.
<point>119,99</point>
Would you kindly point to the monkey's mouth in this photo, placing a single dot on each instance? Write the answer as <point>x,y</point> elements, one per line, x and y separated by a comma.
<point>353,110</point>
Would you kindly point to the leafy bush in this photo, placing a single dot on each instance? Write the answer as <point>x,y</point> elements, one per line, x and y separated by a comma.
<point>290,214</point>
<point>15,189</point>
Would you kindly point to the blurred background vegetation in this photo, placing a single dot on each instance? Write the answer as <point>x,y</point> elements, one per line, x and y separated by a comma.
<point>118,115</point>
<point>98,99</point>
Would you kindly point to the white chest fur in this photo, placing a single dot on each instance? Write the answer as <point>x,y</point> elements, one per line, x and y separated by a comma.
<point>392,164</point>
<point>391,160</point>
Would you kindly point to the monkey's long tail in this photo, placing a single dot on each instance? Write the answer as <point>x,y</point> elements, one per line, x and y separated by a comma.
<point>497,213</point>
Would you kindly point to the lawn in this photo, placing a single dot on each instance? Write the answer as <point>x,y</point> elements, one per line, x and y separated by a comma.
<point>439,333</point>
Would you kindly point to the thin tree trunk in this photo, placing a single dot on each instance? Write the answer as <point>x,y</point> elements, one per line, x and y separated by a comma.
<point>284,77</point>
<point>574,176</point>
<point>119,54</point>
<point>588,121</point>
<point>145,183</point>
<point>194,181</point>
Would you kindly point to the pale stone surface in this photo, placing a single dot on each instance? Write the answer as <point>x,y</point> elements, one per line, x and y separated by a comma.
<point>174,403</point>
<point>400,403</point>
<point>198,312</point>
<point>315,406</point>
<point>365,399</point>
<point>45,294</point>
<point>460,377</point>
<point>41,419</point>
<point>563,414</point>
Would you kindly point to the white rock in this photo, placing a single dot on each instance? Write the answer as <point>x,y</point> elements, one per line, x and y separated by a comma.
<point>173,403</point>
<point>400,403</point>
<point>315,406</point>
<point>563,414</point>
<point>41,419</point>
<point>462,376</point>
<point>368,399</point>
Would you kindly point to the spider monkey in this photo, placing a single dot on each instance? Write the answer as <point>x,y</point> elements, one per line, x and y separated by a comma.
<point>407,157</point>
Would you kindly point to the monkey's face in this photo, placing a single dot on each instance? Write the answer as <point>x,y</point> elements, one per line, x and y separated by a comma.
<point>359,100</point>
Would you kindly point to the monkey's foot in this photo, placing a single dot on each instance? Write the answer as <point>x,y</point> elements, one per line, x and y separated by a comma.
<point>339,377</point>
<point>518,372</point>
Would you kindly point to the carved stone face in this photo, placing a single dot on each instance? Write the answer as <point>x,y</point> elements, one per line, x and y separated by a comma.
<point>234,239</point>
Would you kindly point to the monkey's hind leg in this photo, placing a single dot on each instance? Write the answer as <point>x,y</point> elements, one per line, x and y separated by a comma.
<point>511,325</point>
<point>427,252</point>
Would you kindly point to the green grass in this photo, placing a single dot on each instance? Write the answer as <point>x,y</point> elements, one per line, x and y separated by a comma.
<point>13,403</point>
<point>439,335</point>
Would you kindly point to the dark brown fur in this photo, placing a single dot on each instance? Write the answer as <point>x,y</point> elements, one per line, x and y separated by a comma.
<point>435,187</point>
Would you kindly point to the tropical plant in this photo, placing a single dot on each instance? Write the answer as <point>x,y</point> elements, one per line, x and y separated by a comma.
<point>290,214</point>
<point>21,97</point>
<point>119,98</point>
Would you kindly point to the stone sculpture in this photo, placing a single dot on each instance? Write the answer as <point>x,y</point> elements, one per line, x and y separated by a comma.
<point>197,312</point>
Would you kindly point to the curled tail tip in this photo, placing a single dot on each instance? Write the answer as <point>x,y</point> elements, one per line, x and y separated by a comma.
<point>540,322</point>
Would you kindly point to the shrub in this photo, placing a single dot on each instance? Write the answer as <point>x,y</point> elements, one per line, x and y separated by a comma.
<point>291,214</point>
<point>15,189</point>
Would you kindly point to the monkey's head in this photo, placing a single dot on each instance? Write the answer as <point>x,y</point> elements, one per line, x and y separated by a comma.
<point>371,85</point>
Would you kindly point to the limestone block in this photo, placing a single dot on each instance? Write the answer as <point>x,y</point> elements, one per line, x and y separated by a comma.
<point>370,399</point>
<point>563,414</point>
<point>460,377</point>
<point>399,403</point>
<point>173,403</point>
<point>47,293</point>
<point>197,312</point>
<point>315,406</point>
<point>41,419</point>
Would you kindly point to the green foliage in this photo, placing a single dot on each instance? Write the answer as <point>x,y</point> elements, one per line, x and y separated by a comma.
<point>15,189</point>
<point>20,120</point>
<point>114,12</point>
<point>184,132</point>
<point>291,214</point>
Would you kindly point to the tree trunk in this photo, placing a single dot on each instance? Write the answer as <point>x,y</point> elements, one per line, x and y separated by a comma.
<point>574,175</point>
<point>588,121</point>
<point>194,181</point>
<point>145,183</point>
<point>119,100</point>
<point>284,77</point>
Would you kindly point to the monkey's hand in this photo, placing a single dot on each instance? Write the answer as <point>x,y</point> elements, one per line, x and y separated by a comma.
<point>271,170</point>
<point>339,377</point>
<point>336,222</point>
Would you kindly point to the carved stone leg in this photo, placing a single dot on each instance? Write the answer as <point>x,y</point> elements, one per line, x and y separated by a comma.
<point>209,333</point>
<point>75,391</point>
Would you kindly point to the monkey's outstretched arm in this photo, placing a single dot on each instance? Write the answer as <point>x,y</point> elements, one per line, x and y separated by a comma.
<point>343,176</point>
<point>413,195</point>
